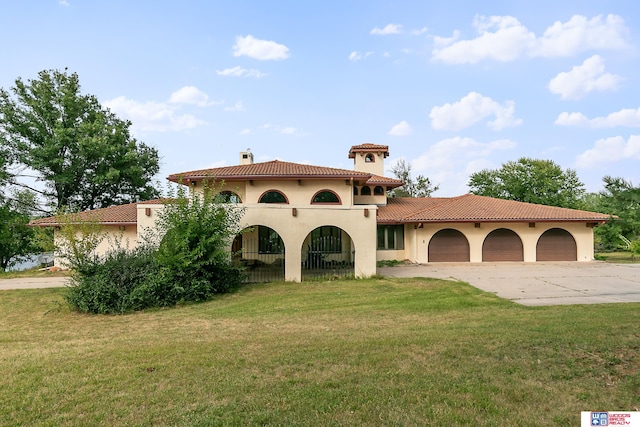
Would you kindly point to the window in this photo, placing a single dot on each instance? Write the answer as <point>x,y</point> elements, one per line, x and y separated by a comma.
<point>365,191</point>
<point>273,196</point>
<point>228,197</point>
<point>269,241</point>
<point>378,191</point>
<point>326,196</point>
<point>369,158</point>
<point>355,190</point>
<point>391,237</point>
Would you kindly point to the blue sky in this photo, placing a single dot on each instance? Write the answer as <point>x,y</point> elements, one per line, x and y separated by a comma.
<point>453,87</point>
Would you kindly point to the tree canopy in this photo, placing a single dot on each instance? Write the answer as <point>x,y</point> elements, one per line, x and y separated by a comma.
<point>622,199</point>
<point>420,187</point>
<point>84,155</point>
<point>532,181</point>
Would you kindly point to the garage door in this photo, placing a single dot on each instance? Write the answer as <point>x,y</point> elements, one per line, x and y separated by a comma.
<point>556,245</point>
<point>448,246</point>
<point>502,245</point>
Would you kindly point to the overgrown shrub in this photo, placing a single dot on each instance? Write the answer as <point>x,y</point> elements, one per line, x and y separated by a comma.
<point>185,258</point>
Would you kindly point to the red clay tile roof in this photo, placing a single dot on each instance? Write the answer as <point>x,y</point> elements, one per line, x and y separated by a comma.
<point>472,208</point>
<point>368,147</point>
<point>114,215</point>
<point>274,169</point>
<point>383,180</point>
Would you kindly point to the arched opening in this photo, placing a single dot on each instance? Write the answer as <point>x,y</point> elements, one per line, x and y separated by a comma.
<point>378,191</point>
<point>326,197</point>
<point>502,245</point>
<point>273,196</point>
<point>228,197</point>
<point>448,245</point>
<point>327,251</point>
<point>556,244</point>
<point>261,251</point>
<point>365,191</point>
<point>355,190</point>
<point>369,158</point>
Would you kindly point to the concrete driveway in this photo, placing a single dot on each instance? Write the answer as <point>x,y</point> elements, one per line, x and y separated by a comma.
<point>540,283</point>
<point>33,283</point>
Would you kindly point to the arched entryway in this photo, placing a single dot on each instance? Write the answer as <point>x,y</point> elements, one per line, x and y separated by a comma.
<point>327,251</point>
<point>502,245</point>
<point>556,244</point>
<point>261,251</point>
<point>448,245</point>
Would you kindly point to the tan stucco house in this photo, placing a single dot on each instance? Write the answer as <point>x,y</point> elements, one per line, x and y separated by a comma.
<point>301,219</point>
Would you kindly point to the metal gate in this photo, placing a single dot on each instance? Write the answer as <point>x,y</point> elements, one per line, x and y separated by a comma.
<point>260,250</point>
<point>324,254</point>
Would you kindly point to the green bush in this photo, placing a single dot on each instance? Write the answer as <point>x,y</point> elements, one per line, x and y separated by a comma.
<point>185,258</point>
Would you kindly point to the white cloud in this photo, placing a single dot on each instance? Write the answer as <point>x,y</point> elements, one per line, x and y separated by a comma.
<point>388,29</point>
<point>582,79</point>
<point>504,38</point>
<point>401,129</point>
<point>446,41</point>
<point>610,150</point>
<point>263,50</point>
<point>627,117</point>
<point>245,132</point>
<point>357,56</point>
<point>191,95</point>
<point>238,106</point>
<point>449,162</point>
<point>63,2</point>
<point>419,31</point>
<point>471,109</point>
<point>238,71</point>
<point>152,116</point>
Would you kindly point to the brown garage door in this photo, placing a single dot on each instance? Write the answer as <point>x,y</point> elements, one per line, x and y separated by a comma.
<point>448,246</point>
<point>502,245</point>
<point>556,244</point>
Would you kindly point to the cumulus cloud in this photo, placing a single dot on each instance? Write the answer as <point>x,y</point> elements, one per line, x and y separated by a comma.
<point>582,79</point>
<point>388,29</point>
<point>471,109</point>
<point>152,116</point>
<point>610,150</point>
<point>401,129</point>
<point>504,38</point>
<point>238,71</point>
<point>449,162</point>
<point>191,95</point>
<point>357,56</point>
<point>263,50</point>
<point>419,31</point>
<point>627,117</point>
<point>238,106</point>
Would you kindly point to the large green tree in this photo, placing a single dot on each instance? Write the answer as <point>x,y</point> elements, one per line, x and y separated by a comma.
<point>421,186</point>
<point>622,199</point>
<point>83,153</point>
<point>532,181</point>
<point>16,239</point>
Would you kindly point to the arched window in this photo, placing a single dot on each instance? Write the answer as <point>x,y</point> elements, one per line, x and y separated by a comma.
<point>326,196</point>
<point>273,196</point>
<point>355,190</point>
<point>228,197</point>
<point>378,191</point>
<point>365,191</point>
<point>369,158</point>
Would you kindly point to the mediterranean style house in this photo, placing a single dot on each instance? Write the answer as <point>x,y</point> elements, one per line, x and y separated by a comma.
<point>301,219</point>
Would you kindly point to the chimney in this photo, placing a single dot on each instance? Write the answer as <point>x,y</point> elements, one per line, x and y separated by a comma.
<point>246,157</point>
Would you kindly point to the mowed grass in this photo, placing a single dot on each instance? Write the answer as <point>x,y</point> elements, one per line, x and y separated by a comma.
<point>398,352</point>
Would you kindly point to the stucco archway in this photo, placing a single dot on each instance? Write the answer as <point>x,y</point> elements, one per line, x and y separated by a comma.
<point>261,250</point>
<point>327,250</point>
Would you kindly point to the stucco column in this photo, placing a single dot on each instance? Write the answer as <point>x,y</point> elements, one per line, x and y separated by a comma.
<point>292,264</point>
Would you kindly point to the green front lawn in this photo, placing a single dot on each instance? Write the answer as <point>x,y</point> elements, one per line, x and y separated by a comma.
<point>355,352</point>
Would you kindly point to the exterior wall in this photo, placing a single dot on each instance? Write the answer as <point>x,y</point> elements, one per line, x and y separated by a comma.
<point>124,236</point>
<point>294,230</point>
<point>376,167</point>
<point>417,239</point>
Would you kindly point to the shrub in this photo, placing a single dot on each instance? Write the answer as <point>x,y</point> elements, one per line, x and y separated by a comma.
<point>185,258</point>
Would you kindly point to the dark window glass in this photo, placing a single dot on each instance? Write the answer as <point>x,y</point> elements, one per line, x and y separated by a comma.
<point>269,241</point>
<point>326,197</point>
<point>378,191</point>
<point>366,191</point>
<point>273,197</point>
